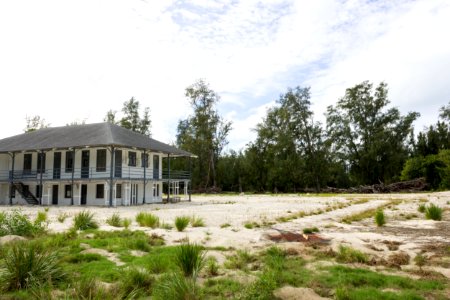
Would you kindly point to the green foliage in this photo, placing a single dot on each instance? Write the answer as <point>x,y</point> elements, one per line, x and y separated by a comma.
<point>115,220</point>
<point>41,217</point>
<point>16,223</point>
<point>211,266</point>
<point>225,225</point>
<point>26,265</point>
<point>126,223</point>
<point>176,287</point>
<point>147,220</point>
<point>379,218</point>
<point>420,260</point>
<point>203,133</point>
<point>239,260</point>
<point>310,230</point>
<point>84,220</point>
<point>137,281</point>
<point>433,212</point>
<point>197,222</point>
<point>181,222</point>
<point>368,135</point>
<point>350,255</point>
<point>190,258</point>
<point>249,225</point>
<point>62,217</point>
<point>131,117</point>
<point>421,208</point>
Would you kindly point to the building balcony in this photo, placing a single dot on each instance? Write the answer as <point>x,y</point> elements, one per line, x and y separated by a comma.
<point>125,173</point>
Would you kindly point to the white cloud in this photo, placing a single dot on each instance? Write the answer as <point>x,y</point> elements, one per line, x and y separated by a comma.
<point>76,60</point>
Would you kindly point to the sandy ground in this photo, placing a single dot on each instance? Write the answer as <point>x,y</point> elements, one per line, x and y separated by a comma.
<point>412,234</point>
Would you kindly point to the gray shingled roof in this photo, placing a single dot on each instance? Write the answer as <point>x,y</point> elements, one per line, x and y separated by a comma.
<point>93,135</point>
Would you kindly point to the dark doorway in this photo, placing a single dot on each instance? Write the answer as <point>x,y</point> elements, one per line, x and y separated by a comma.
<point>155,166</point>
<point>27,158</point>
<point>57,165</point>
<point>85,164</point>
<point>118,164</point>
<point>83,194</point>
<point>55,193</point>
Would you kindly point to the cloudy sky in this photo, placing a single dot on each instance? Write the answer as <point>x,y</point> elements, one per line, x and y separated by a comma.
<point>74,60</point>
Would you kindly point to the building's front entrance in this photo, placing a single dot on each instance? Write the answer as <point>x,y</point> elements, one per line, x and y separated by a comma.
<point>55,192</point>
<point>83,194</point>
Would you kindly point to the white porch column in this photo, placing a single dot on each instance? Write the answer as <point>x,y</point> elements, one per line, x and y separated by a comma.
<point>79,195</point>
<point>127,194</point>
<point>105,193</point>
<point>48,194</point>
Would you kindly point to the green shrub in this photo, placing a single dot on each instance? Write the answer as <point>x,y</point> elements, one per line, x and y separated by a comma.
<point>249,225</point>
<point>225,225</point>
<point>182,222</point>
<point>420,260</point>
<point>421,208</point>
<point>137,282</point>
<point>211,266</point>
<point>176,287</point>
<point>350,255</point>
<point>62,217</point>
<point>166,226</point>
<point>126,223</point>
<point>197,222</point>
<point>84,220</point>
<point>41,217</point>
<point>240,260</point>
<point>433,212</point>
<point>26,265</point>
<point>147,220</point>
<point>310,230</point>
<point>157,265</point>
<point>379,218</point>
<point>115,220</point>
<point>190,258</point>
<point>17,223</point>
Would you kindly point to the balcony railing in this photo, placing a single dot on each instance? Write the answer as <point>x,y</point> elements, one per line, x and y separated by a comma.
<point>93,173</point>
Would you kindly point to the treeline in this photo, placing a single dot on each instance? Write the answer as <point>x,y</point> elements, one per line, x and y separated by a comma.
<point>364,141</point>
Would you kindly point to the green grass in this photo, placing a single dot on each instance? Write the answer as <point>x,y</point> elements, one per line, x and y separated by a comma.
<point>350,255</point>
<point>310,230</point>
<point>225,225</point>
<point>197,222</point>
<point>380,220</point>
<point>41,217</point>
<point>27,265</point>
<point>181,222</point>
<point>84,220</point>
<point>115,220</point>
<point>16,223</point>
<point>421,208</point>
<point>433,212</point>
<point>190,258</point>
<point>240,260</point>
<point>147,220</point>
<point>62,217</point>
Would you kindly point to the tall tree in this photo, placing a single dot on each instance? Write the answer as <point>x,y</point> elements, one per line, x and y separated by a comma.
<point>34,123</point>
<point>371,138</point>
<point>204,133</point>
<point>131,117</point>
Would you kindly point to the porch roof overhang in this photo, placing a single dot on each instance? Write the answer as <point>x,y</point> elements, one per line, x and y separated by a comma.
<point>86,135</point>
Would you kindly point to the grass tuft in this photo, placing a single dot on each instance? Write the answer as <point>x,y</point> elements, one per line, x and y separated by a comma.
<point>350,255</point>
<point>197,222</point>
<point>62,217</point>
<point>147,220</point>
<point>310,230</point>
<point>190,258</point>
<point>181,222</point>
<point>16,223</point>
<point>26,266</point>
<point>379,218</point>
<point>421,208</point>
<point>84,220</point>
<point>115,220</point>
<point>433,212</point>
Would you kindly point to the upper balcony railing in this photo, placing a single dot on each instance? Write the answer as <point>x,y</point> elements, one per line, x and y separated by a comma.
<point>134,173</point>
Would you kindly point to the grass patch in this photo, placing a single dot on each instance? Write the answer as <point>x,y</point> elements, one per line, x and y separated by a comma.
<point>84,220</point>
<point>380,220</point>
<point>433,212</point>
<point>350,255</point>
<point>310,230</point>
<point>62,217</point>
<point>225,225</point>
<point>190,258</point>
<point>115,220</point>
<point>197,222</point>
<point>240,260</point>
<point>16,223</point>
<point>421,208</point>
<point>181,222</point>
<point>147,220</point>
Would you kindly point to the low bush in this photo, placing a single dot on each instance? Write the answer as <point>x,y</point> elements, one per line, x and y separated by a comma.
<point>421,208</point>
<point>197,222</point>
<point>350,255</point>
<point>379,218</point>
<point>27,265</point>
<point>147,220</point>
<point>17,223</point>
<point>41,218</point>
<point>176,287</point>
<point>84,220</point>
<point>137,282</point>
<point>310,230</point>
<point>212,268</point>
<point>115,220</point>
<point>182,222</point>
<point>62,217</point>
<point>190,258</point>
<point>433,212</point>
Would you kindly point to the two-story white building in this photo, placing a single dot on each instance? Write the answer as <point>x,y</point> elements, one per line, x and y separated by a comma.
<point>91,164</point>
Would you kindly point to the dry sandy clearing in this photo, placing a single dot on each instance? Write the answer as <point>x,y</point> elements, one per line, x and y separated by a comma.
<point>225,216</point>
